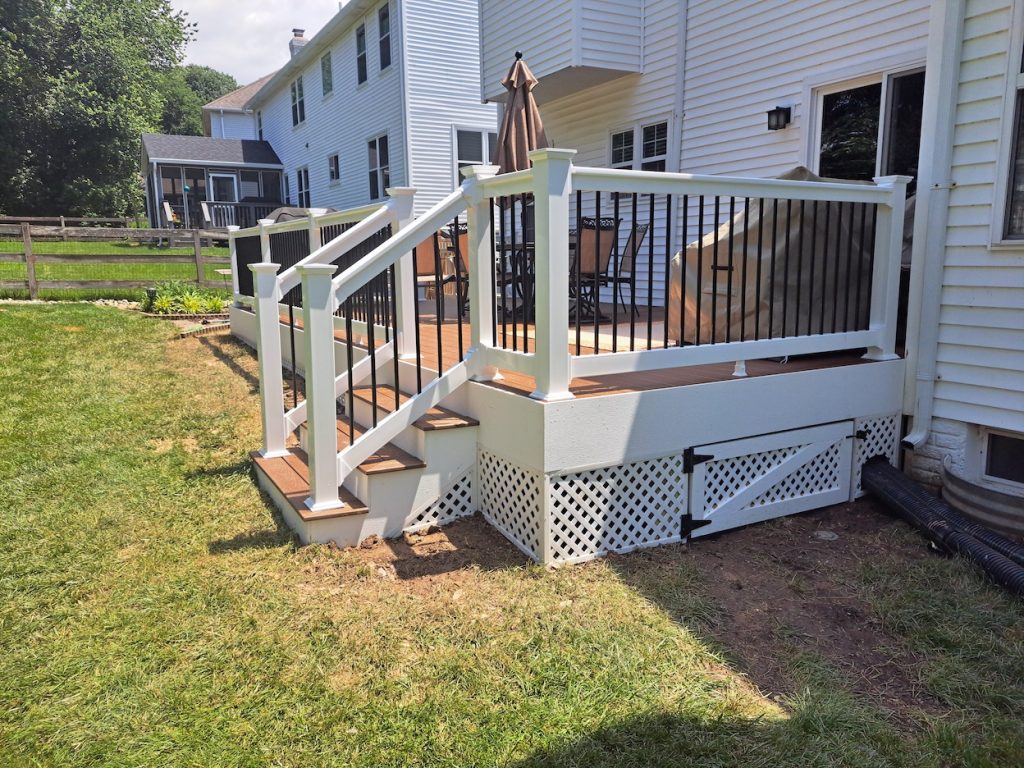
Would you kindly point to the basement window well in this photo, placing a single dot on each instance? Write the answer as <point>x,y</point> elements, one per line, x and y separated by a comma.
<point>1004,457</point>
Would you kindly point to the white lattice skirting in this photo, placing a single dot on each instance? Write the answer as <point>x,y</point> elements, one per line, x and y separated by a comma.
<point>577,516</point>
<point>454,503</point>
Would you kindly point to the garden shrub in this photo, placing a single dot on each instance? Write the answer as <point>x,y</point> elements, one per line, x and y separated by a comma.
<point>177,297</point>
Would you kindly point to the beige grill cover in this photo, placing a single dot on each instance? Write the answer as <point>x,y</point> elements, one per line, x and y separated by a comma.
<point>806,271</point>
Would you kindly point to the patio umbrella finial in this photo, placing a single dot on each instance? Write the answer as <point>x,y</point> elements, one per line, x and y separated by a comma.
<point>519,55</point>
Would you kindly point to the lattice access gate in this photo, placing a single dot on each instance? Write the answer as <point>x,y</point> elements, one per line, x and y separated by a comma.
<point>576,516</point>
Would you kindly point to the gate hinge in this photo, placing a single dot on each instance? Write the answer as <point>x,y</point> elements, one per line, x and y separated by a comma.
<point>689,525</point>
<point>861,434</point>
<point>691,459</point>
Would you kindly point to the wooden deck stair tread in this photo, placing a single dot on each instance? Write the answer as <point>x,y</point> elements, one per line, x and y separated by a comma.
<point>290,476</point>
<point>390,458</point>
<point>436,418</point>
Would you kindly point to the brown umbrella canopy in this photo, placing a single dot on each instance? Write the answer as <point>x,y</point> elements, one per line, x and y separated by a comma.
<point>521,128</point>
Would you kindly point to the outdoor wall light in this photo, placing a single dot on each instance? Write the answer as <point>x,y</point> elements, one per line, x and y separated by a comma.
<point>779,118</point>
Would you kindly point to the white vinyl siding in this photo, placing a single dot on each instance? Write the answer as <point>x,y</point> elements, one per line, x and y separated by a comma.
<point>232,125</point>
<point>343,123</point>
<point>981,323</point>
<point>443,83</point>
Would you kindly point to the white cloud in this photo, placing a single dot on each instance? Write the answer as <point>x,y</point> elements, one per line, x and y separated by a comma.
<point>249,38</point>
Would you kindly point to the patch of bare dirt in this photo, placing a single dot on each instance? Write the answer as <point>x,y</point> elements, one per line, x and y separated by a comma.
<point>789,585</point>
<point>440,557</point>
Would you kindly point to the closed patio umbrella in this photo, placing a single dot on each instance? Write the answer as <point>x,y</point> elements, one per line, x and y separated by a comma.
<point>521,128</point>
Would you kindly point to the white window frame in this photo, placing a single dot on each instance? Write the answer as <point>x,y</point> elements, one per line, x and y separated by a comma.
<point>302,187</point>
<point>329,70</point>
<point>298,102</point>
<point>220,175</point>
<point>381,38</point>
<point>334,168</point>
<point>379,169</point>
<point>820,85</point>
<point>1014,83</point>
<point>488,148</point>
<point>631,130</point>
<point>638,141</point>
<point>362,55</point>
<point>983,458</point>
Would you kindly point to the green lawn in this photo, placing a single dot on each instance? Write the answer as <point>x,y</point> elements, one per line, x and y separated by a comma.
<point>155,612</point>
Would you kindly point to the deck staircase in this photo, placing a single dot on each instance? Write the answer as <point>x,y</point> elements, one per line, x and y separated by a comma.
<point>422,476</point>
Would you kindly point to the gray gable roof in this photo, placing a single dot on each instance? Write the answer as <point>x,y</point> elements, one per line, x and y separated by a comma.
<point>207,151</point>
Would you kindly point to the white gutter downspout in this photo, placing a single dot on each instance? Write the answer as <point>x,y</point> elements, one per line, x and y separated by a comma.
<point>945,38</point>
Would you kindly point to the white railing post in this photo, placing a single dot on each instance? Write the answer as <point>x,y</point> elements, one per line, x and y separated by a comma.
<point>402,200</point>
<point>552,179</point>
<point>233,258</point>
<point>314,234</point>
<point>318,305</point>
<point>480,242</point>
<point>885,280</point>
<point>265,240</point>
<point>268,357</point>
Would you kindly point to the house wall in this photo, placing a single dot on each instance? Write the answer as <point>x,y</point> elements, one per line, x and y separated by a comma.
<point>443,91</point>
<point>343,121</point>
<point>980,356</point>
<point>232,125</point>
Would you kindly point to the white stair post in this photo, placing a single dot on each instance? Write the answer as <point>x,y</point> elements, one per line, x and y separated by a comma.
<point>402,200</point>
<point>318,305</point>
<point>314,234</point>
<point>268,356</point>
<point>480,239</point>
<point>885,280</point>
<point>552,179</point>
<point>233,258</point>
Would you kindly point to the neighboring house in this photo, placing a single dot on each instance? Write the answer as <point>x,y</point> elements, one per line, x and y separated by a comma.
<point>227,117</point>
<point>386,94</point>
<point>685,85</point>
<point>198,181</point>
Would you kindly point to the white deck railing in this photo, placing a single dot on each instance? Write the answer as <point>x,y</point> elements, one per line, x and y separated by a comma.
<point>556,187</point>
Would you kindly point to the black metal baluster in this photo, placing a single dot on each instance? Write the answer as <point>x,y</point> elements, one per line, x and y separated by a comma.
<point>668,268</point>
<point>824,266</point>
<point>530,273</point>
<point>810,276</point>
<point>746,264</point>
<point>760,257</point>
<point>785,270</point>
<point>438,299</point>
<point>873,232</point>
<point>578,307</point>
<point>394,334</point>
<point>351,409</point>
<point>799,271</point>
<point>860,266</point>
<point>650,268</point>
<point>714,273</point>
<point>419,350</point>
<point>700,268</point>
<point>771,269</point>
<point>682,276</point>
<point>849,266</point>
<point>595,295</point>
<point>460,299</point>
<point>291,337</point>
<point>632,277</point>
<point>728,280</point>
<point>839,257</point>
<point>371,343</point>
<point>502,202</point>
<point>494,281</point>
<point>615,271</point>
<point>515,261</point>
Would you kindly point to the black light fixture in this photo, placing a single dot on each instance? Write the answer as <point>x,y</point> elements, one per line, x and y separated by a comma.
<point>779,118</point>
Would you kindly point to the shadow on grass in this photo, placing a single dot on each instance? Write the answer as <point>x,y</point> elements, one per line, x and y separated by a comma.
<point>242,467</point>
<point>262,539</point>
<point>220,348</point>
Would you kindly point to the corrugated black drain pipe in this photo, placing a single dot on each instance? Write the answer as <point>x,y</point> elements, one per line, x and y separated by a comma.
<point>1001,558</point>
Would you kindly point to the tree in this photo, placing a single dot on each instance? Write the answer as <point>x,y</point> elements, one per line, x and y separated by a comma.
<point>184,91</point>
<point>78,85</point>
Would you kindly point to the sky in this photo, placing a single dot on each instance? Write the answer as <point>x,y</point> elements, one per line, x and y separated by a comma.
<point>249,38</point>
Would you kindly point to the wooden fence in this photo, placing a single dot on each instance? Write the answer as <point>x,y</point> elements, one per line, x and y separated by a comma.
<point>124,257</point>
<point>65,221</point>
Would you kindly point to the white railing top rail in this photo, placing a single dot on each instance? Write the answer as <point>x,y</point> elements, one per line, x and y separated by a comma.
<point>319,220</point>
<point>340,245</point>
<point>656,182</point>
<point>399,244</point>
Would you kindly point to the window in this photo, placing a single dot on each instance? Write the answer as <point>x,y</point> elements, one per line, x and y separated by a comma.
<point>270,188</point>
<point>380,171</point>
<point>333,168</point>
<point>361,53</point>
<point>655,147</point>
<point>298,102</point>
<point>622,149</point>
<point>327,73</point>
<point>384,29</point>
<point>472,147</point>
<point>259,125</point>
<point>854,120</point>
<point>1013,226</point>
<point>302,184</point>
<point>1004,457</point>
<point>250,184</point>
<point>287,190</point>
